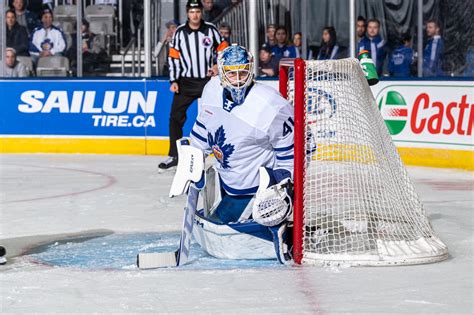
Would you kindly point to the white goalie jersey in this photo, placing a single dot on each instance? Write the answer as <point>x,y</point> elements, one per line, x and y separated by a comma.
<point>259,132</point>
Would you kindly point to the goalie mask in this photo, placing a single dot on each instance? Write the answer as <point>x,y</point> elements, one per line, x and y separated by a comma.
<point>235,65</point>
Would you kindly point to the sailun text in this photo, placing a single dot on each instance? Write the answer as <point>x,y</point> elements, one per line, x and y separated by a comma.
<point>108,109</point>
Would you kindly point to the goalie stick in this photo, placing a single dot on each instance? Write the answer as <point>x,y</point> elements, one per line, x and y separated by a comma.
<point>181,255</point>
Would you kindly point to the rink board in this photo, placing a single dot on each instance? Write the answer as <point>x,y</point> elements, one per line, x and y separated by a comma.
<point>430,122</point>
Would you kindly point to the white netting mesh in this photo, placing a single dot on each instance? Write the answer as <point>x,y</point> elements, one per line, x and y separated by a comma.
<point>360,207</point>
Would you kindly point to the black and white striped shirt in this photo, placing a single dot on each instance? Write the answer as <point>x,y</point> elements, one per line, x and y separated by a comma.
<point>192,52</point>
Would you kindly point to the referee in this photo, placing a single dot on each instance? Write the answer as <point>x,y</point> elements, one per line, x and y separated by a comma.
<point>191,63</point>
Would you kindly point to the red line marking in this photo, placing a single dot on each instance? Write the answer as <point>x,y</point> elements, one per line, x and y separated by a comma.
<point>110,181</point>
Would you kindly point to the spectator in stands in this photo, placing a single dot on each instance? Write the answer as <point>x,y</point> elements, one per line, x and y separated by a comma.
<point>17,35</point>
<point>298,42</point>
<point>361,26</point>
<point>225,30</point>
<point>329,48</point>
<point>434,50</point>
<point>47,40</point>
<point>268,65</point>
<point>211,10</point>
<point>94,57</point>
<point>375,44</point>
<point>271,40</point>
<point>283,49</point>
<point>401,58</point>
<point>13,68</point>
<point>24,17</point>
<point>171,27</point>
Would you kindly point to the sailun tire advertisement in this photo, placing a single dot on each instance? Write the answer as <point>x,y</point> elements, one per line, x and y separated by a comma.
<point>137,110</point>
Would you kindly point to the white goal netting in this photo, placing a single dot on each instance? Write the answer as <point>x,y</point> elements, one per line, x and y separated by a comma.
<point>360,207</point>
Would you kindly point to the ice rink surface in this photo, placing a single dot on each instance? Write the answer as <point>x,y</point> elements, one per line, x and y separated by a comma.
<point>44,198</point>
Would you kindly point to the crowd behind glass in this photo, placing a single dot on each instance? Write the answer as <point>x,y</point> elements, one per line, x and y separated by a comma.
<point>33,38</point>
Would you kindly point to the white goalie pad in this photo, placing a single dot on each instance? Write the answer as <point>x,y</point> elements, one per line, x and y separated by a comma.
<point>226,241</point>
<point>190,167</point>
<point>272,204</point>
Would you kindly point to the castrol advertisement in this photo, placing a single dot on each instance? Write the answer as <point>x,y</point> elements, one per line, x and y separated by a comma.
<point>428,114</point>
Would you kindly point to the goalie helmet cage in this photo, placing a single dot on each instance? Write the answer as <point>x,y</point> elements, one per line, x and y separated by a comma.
<point>354,203</point>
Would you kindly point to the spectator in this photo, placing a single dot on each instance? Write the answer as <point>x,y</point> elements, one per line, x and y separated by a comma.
<point>188,75</point>
<point>47,40</point>
<point>271,40</point>
<point>17,35</point>
<point>24,17</point>
<point>283,49</point>
<point>225,30</point>
<point>361,26</point>
<point>268,65</point>
<point>401,58</point>
<point>94,57</point>
<point>434,51</point>
<point>13,68</point>
<point>298,42</point>
<point>375,44</point>
<point>171,27</point>
<point>211,11</point>
<point>329,49</point>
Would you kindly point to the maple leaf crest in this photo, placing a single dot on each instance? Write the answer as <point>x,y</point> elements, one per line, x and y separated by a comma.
<point>222,151</point>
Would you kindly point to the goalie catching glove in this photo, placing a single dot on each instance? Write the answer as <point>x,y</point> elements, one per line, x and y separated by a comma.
<point>273,204</point>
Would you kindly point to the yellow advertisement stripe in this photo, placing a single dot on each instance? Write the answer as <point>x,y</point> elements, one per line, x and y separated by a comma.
<point>85,145</point>
<point>438,158</point>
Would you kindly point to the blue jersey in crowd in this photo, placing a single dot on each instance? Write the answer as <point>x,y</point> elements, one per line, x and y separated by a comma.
<point>399,64</point>
<point>433,57</point>
<point>287,51</point>
<point>376,48</point>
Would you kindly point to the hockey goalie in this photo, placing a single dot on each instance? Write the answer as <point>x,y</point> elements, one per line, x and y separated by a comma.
<point>247,129</point>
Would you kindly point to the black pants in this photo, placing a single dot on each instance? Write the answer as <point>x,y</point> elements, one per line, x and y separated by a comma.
<point>189,91</point>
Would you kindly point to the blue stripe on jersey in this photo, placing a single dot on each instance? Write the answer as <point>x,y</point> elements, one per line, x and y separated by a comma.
<point>234,191</point>
<point>200,124</point>
<point>282,158</point>
<point>199,137</point>
<point>284,149</point>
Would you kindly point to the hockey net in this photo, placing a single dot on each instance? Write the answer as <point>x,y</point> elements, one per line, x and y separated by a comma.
<point>354,202</point>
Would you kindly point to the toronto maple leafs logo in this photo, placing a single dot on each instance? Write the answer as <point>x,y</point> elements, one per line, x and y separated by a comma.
<point>221,150</point>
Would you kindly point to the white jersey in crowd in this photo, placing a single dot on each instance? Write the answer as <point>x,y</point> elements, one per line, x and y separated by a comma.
<point>244,137</point>
<point>51,39</point>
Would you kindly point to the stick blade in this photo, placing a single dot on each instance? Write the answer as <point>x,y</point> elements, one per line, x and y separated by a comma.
<point>156,260</point>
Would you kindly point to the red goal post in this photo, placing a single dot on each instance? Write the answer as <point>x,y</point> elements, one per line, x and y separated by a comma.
<point>299,100</point>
